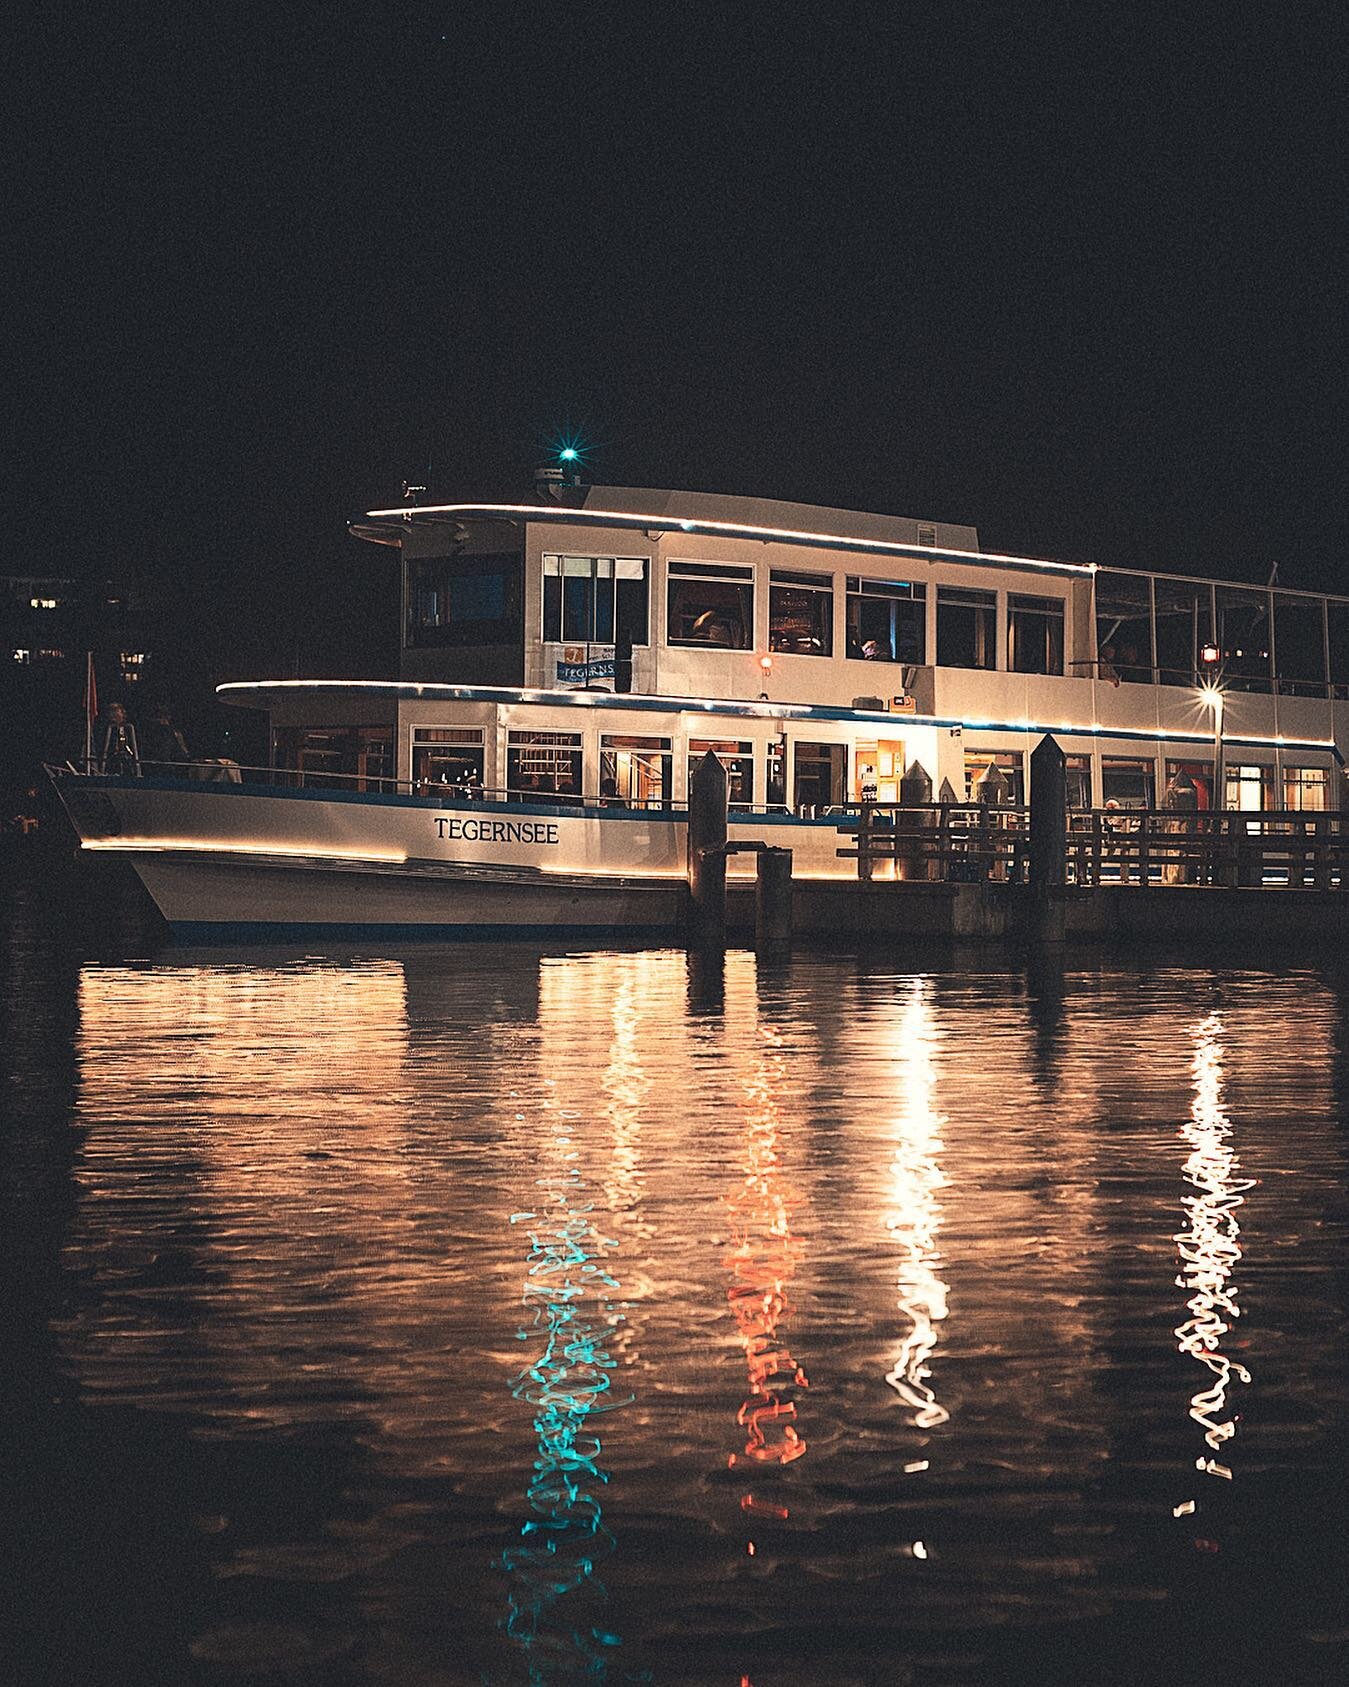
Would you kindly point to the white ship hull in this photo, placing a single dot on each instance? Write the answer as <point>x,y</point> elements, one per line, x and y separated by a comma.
<point>234,862</point>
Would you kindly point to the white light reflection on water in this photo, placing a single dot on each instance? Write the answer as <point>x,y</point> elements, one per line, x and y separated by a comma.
<point>915,1214</point>
<point>1210,1248</point>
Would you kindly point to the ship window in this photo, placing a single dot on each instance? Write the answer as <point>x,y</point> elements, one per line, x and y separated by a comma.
<point>1034,634</point>
<point>736,758</point>
<point>821,775</point>
<point>1123,628</point>
<point>886,620</point>
<point>464,600</point>
<point>1243,638</point>
<point>635,772</point>
<point>711,604</point>
<point>543,764</point>
<point>1249,786</point>
<point>1184,624</point>
<point>1078,772</point>
<point>1128,782</point>
<point>594,599</point>
<point>1198,773</point>
<point>966,628</point>
<point>801,613</point>
<point>1300,644</point>
<point>1306,787</point>
<point>1337,614</point>
<point>447,756</point>
<point>983,766</point>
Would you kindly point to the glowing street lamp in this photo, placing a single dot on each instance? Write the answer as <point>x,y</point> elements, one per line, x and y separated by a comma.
<point>766,669</point>
<point>1213,697</point>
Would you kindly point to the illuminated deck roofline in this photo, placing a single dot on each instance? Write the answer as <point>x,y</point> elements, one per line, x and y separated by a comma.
<point>561,515</point>
<point>409,691</point>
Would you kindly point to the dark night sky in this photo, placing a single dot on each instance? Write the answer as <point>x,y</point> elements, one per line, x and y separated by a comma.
<point>1071,273</point>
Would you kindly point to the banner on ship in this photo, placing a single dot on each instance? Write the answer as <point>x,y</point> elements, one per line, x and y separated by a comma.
<point>579,666</point>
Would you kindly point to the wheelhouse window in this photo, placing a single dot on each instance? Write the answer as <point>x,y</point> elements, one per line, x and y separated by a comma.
<point>635,772</point>
<point>886,620</point>
<point>1300,644</point>
<point>594,599</point>
<point>1306,787</point>
<point>447,757</point>
<point>995,771</point>
<point>1078,774</point>
<point>1128,782</point>
<point>1123,628</point>
<point>1034,634</point>
<point>966,628</point>
<point>738,760</point>
<point>801,613</point>
<point>711,604</point>
<point>464,600</point>
<point>543,764</point>
<point>1243,638</point>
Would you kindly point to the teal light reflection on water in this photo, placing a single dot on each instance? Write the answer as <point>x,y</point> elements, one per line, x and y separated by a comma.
<point>557,1601</point>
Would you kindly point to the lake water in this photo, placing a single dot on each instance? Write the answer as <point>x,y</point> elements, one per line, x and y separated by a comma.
<point>485,1314</point>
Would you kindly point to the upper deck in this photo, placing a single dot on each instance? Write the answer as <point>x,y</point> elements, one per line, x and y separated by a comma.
<point>843,605</point>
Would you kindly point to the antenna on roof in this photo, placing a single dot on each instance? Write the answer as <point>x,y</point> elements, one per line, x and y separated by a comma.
<point>411,493</point>
<point>553,480</point>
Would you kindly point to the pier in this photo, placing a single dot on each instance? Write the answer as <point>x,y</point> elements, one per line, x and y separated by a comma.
<point>1042,872</point>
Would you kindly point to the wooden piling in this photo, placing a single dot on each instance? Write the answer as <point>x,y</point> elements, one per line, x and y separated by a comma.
<point>773,901</point>
<point>706,866</point>
<point>1048,839</point>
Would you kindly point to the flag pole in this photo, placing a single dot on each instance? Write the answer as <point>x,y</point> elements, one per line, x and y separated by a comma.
<point>90,709</point>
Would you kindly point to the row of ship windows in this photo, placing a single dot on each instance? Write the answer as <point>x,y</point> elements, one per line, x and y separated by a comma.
<point>606,600</point>
<point>1149,629</point>
<point>636,771</point>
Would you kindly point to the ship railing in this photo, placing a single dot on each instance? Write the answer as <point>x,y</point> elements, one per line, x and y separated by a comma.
<point>225,771</point>
<point>960,843</point>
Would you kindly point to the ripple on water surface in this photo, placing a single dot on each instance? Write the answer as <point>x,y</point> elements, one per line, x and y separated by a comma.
<point>507,1316</point>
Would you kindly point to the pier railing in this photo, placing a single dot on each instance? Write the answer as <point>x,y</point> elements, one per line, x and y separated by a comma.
<point>964,843</point>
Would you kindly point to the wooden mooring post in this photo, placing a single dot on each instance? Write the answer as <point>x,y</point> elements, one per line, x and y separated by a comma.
<point>706,865</point>
<point>708,850</point>
<point>1048,855</point>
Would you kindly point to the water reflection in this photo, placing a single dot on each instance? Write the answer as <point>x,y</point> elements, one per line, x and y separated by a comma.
<point>762,1258</point>
<point>1209,1247</point>
<point>288,1235</point>
<point>556,1597</point>
<point>915,1214</point>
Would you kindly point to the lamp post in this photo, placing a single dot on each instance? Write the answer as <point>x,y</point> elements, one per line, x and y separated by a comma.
<point>765,670</point>
<point>1212,695</point>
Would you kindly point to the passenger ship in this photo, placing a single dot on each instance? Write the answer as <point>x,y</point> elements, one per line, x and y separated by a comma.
<point>566,663</point>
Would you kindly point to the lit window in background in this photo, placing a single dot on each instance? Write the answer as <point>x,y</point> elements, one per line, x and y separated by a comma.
<point>44,603</point>
<point>132,663</point>
<point>23,655</point>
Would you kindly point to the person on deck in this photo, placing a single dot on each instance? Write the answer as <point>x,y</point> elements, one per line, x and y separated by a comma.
<point>161,741</point>
<point>117,749</point>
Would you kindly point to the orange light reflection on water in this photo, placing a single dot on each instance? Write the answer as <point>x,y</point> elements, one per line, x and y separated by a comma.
<point>762,1259</point>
